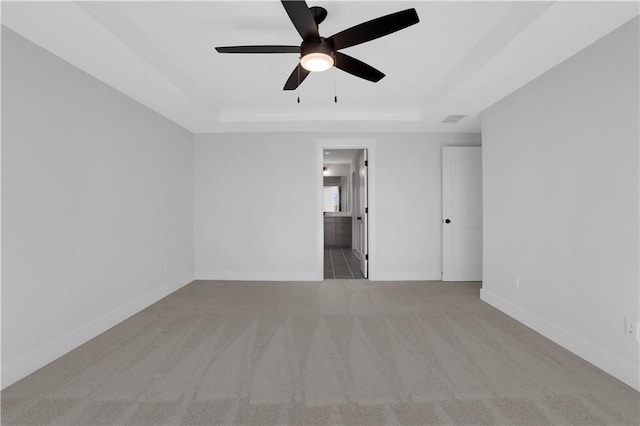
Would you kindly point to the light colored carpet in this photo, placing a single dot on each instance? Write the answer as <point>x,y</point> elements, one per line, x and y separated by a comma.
<point>337,352</point>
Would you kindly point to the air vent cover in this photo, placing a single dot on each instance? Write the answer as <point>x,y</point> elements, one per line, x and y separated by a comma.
<point>453,118</point>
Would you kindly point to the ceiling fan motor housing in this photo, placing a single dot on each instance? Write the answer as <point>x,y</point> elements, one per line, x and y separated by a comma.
<point>323,46</point>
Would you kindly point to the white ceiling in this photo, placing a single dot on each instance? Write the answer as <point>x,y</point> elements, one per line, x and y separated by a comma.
<point>461,58</point>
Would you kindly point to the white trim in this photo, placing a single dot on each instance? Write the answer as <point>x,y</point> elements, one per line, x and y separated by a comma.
<point>258,276</point>
<point>50,351</point>
<point>347,143</point>
<point>619,368</point>
<point>408,276</point>
<point>279,115</point>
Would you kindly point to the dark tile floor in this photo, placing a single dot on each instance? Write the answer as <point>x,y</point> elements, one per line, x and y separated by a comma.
<point>341,264</point>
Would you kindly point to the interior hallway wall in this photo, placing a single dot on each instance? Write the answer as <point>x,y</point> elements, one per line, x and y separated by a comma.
<point>560,162</point>
<point>97,207</point>
<point>255,200</point>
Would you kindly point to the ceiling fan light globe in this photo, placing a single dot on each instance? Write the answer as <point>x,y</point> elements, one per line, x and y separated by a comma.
<point>316,62</point>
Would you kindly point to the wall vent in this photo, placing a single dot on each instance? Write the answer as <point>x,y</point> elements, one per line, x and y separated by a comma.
<point>453,118</point>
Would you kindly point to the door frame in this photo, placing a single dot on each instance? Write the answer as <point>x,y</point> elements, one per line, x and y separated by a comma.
<point>347,143</point>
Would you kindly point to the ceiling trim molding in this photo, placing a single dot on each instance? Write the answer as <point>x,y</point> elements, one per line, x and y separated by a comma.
<point>318,114</point>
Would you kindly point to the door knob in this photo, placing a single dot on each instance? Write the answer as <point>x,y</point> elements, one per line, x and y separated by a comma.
<point>358,218</point>
<point>447,221</point>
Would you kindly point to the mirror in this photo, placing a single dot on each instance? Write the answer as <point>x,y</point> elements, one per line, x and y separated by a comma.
<point>337,183</point>
<point>336,194</point>
<point>331,199</point>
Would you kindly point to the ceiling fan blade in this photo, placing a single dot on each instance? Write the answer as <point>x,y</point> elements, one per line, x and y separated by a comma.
<point>258,49</point>
<point>302,19</point>
<point>358,68</point>
<point>296,78</point>
<point>375,28</point>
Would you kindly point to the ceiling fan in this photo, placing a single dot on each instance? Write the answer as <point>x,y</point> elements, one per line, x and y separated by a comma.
<point>319,53</point>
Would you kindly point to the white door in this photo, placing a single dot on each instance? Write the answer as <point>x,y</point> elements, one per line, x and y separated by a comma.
<point>360,241</point>
<point>355,190</point>
<point>364,213</point>
<point>461,214</point>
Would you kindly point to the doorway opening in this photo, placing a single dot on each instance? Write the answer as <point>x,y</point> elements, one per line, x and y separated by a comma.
<point>345,194</point>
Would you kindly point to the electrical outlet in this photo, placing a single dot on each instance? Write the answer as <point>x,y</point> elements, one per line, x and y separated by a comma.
<point>631,328</point>
<point>165,266</point>
<point>271,256</point>
<point>418,255</point>
<point>516,282</point>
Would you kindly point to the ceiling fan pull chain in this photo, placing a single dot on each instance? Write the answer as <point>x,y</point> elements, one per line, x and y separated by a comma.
<point>335,85</point>
<point>298,88</point>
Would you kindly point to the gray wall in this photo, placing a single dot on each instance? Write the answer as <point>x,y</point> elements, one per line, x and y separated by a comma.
<point>560,162</point>
<point>265,226</point>
<point>97,207</point>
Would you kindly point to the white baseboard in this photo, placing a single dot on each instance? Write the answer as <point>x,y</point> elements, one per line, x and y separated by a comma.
<point>50,351</point>
<point>258,276</point>
<point>619,368</point>
<point>405,276</point>
<point>310,276</point>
